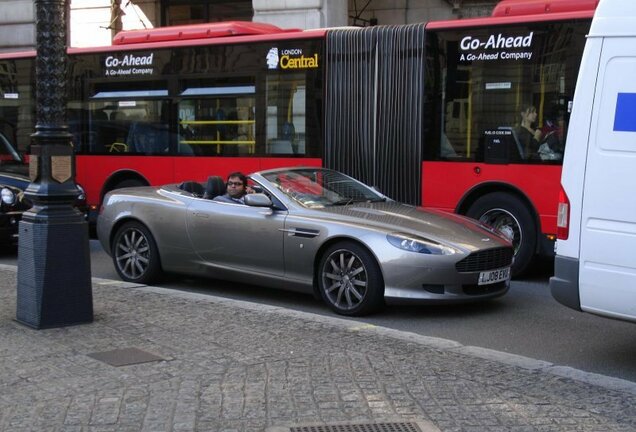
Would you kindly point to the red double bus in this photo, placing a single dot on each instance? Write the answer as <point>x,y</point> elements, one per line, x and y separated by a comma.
<point>467,115</point>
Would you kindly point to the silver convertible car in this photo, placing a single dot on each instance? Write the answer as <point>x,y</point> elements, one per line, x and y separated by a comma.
<point>305,229</point>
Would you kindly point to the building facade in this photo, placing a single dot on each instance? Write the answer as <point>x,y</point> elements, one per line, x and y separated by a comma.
<point>95,22</point>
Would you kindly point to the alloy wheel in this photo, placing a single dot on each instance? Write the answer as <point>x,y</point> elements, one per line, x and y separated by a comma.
<point>344,279</point>
<point>132,253</point>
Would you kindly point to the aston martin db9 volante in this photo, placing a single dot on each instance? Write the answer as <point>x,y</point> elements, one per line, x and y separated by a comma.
<point>305,229</point>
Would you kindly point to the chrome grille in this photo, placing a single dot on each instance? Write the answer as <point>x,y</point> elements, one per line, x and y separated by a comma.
<point>488,259</point>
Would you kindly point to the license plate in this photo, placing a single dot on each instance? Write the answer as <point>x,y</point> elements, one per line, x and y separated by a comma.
<point>494,276</point>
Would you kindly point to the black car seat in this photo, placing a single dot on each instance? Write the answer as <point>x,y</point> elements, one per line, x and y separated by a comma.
<point>148,138</point>
<point>214,187</point>
<point>195,188</point>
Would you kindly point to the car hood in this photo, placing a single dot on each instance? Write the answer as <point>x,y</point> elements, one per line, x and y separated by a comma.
<point>18,169</point>
<point>14,178</point>
<point>17,180</point>
<point>435,225</point>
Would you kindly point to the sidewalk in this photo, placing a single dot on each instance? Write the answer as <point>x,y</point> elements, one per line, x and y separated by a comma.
<point>228,365</point>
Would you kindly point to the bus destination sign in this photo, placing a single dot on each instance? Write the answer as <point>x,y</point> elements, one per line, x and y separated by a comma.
<point>496,47</point>
<point>125,65</point>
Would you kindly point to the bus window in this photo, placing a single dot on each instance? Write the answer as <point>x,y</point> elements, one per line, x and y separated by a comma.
<point>128,120</point>
<point>286,114</point>
<point>504,92</point>
<point>16,109</point>
<point>216,117</point>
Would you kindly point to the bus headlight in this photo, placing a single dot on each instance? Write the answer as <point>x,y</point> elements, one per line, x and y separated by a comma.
<point>418,244</point>
<point>8,197</point>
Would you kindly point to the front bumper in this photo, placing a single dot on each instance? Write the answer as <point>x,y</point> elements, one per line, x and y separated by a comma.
<point>446,294</point>
<point>9,223</point>
<point>435,281</point>
<point>564,285</point>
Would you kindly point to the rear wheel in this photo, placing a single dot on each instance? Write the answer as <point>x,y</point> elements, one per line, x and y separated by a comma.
<point>350,280</point>
<point>135,254</point>
<point>509,215</point>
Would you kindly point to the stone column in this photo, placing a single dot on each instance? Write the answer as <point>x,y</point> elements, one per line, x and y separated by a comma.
<point>17,25</point>
<point>304,14</point>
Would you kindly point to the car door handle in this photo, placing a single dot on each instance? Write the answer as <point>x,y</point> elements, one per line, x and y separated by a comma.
<point>201,215</point>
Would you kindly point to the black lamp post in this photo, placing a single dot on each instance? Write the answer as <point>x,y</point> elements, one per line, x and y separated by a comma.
<point>54,278</point>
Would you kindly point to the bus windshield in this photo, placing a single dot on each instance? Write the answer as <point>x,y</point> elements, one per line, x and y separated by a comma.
<point>503,93</point>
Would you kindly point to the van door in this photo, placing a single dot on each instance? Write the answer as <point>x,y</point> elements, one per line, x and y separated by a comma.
<point>607,272</point>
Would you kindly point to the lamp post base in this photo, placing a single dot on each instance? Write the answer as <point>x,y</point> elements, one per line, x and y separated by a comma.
<point>54,279</point>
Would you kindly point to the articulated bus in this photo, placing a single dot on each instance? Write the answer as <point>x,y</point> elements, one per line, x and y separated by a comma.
<point>466,115</point>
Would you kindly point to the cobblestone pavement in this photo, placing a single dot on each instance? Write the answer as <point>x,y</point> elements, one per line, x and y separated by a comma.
<point>236,366</point>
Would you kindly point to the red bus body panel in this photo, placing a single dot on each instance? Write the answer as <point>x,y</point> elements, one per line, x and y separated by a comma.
<point>445,185</point>
<point>493,21</point>
<point>197,31</point>
<point>537,7</point>
<point>94,171</point>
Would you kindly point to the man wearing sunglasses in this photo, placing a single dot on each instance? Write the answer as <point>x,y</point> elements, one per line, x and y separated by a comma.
<point>236,189</point>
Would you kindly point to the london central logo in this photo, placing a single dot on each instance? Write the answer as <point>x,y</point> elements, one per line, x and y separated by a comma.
<point>290,58</point>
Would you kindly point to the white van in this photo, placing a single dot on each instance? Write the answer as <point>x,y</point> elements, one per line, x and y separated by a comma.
<point>595,267</point>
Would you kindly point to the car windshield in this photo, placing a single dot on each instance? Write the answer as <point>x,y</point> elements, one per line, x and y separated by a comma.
<point>322,188</point>
<point>7,152</point>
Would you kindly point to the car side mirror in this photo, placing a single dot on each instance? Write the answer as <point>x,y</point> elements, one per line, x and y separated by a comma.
<point>257,200</point>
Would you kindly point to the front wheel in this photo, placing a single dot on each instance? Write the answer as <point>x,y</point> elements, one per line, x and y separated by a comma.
<point>350,280</point>
<point>509,215</point>
<point>135,254</point>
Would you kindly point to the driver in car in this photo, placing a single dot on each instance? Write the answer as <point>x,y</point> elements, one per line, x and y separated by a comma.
<point>236,189</point>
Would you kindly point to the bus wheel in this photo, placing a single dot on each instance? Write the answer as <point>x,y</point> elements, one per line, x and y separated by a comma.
<point>135,254</point>
<point>350,280</point>
<point>510,216</point>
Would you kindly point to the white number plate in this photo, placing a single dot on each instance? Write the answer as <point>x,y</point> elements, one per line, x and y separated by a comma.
<point>494,276</point>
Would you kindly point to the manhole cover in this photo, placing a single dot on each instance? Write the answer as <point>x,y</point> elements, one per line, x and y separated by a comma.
<point>125,357</point>
<point>365,427</point>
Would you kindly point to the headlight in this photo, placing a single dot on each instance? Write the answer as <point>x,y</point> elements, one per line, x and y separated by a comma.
<point>8,197</point>
<point>82,194</point>
<point>419,245</point>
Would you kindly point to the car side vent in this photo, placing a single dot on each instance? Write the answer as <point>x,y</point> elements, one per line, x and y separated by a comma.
<point>486,260</point>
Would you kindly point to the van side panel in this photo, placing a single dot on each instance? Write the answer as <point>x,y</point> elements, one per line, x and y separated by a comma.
<point>607,267</point>
<point>564,285</point>
<point>576,151</point>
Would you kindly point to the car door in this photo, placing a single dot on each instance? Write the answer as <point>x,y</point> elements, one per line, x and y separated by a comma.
<point>237,237</point>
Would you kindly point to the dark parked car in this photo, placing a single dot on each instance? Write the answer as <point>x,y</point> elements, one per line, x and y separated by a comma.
<point>13,182</point>
<point>12,204</point>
